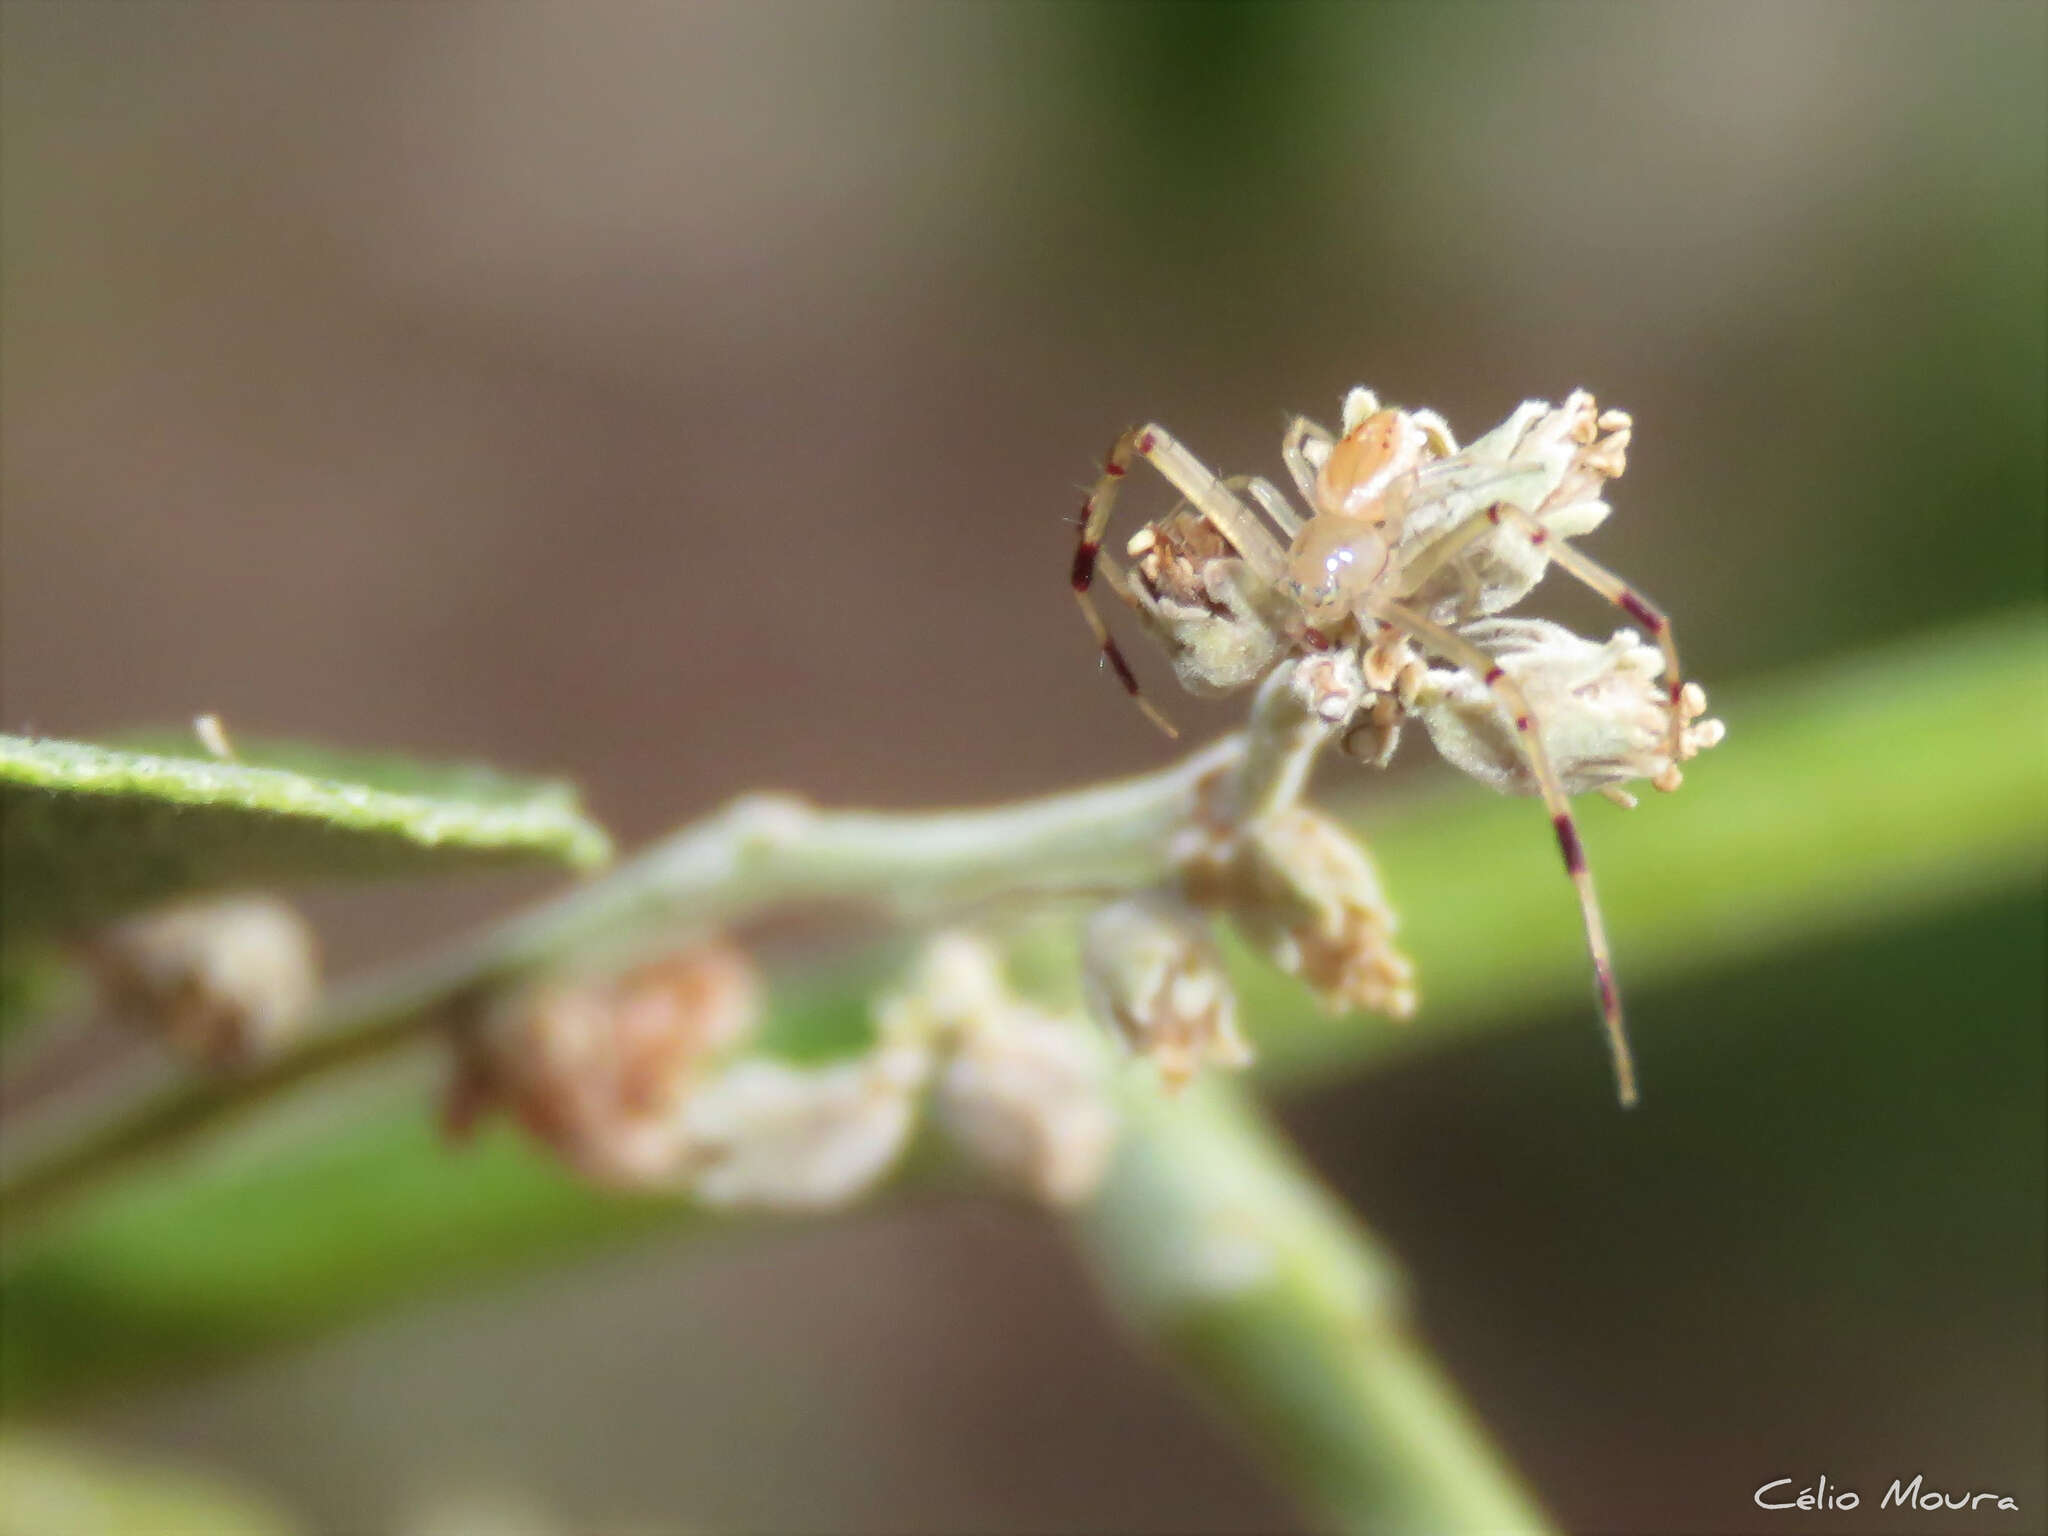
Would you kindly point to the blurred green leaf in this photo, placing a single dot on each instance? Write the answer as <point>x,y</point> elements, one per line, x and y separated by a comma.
<point>370,1210</point>
<point>36,980</point>
<point>1851,797</point>
<point>52,1488</point>
<point>90,832</point>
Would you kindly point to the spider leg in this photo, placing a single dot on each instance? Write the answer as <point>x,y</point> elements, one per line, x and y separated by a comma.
<point>1294,452</point>
<point>1198,485</point>
<point>1444,548</point>
<point>1463,653</point>
<point>1141,603</point>
<point>1415,573</point>
<point>1268,496</point>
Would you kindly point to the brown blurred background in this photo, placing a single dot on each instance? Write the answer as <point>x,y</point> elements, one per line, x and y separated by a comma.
<point>691,398</point>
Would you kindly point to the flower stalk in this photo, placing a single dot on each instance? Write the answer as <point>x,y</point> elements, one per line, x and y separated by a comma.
<point>1226,1253</point>
<point>760,853</point>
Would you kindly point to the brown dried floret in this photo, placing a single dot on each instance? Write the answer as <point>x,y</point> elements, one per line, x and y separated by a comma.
<point>1152,974</point>
<point>599,1068</point>
<point>1301,891</point>
<point>225,979</point>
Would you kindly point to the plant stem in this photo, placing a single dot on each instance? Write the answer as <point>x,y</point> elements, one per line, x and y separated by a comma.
<point>1281,747</point>
<point>758,853</point>
<point>1214,1240</point>
<point>1856,797</point>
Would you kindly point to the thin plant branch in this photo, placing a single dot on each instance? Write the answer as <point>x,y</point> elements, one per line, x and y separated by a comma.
<point>1228,1255</point>
<point>758,853</point>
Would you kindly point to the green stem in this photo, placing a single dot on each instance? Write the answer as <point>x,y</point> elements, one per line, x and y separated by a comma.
<point>1282,745</point>
<point>760,852</point>
<point>1213,1239</point>
<point>1849,797</point>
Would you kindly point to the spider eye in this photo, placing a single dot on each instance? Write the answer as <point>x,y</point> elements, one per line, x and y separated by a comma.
<point>1336,565</point>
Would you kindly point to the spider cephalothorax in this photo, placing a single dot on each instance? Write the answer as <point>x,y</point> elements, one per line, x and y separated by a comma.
<point>1411,548</point>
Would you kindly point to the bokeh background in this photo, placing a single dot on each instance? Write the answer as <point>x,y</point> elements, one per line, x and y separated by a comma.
<point>690,398</point>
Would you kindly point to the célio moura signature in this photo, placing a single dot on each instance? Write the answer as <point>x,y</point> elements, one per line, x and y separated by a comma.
<point>1778,1494</point>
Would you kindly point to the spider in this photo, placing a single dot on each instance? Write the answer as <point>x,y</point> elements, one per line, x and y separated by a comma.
<point>1407,539</point>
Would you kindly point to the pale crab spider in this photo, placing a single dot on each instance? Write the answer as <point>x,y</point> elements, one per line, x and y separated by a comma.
<point>1406,540</point>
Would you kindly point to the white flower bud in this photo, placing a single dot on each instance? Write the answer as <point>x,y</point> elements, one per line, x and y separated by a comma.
<point>1026,1095</point>
<point>1152,974</point>
<point>772,1135</point>
<point>1602,710</point>
<point>1304,893</point>
<point>225,980</point>
<point>956,982</point>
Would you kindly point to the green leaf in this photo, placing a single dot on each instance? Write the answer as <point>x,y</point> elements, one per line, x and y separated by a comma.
<point>37,980</point>
<point>88,833</point>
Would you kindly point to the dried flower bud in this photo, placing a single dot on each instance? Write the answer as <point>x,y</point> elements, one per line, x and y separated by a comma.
<point>955,985</point>
<point>600,1069</point>
<point>1602,710</point>
<point>1391,675</point>
<point>1023,1091</point>
<point>1153,975</point>
<point>1027,1097</point>
<point>1304,893</point>
<point>1330,685</point>
<point>1375,735</point>
<point>224,980</point>
<point>1201,602</point>
<point>772,1135</point>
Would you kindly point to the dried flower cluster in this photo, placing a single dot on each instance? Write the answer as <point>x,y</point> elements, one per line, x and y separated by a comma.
<point>1605,717</point>
<point>1153,975</point>
<point>601,1069</point>
<point>647,1080</point>
<point>225,980</point>
<point>1023,1091</point>
<point>1295,886</point>
<point>1387,601</point>
<point>1303,892</point>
